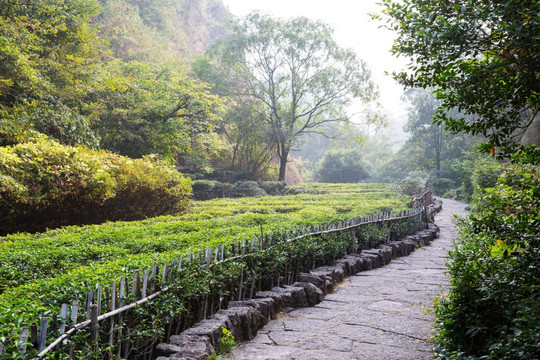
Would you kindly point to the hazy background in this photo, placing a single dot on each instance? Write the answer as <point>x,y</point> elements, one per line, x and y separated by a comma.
<point>353,29</point>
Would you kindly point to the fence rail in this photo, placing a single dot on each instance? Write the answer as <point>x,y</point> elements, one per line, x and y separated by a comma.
<point>145,286</point>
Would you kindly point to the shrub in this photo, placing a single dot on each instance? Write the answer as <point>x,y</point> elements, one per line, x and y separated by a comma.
<point>493,308</point>
<point>414,183</point>
<point>246,188</point>
<point>441,185</point>
<point>47,185</point>
<point>203,185</point>
<point>486,177</point>
<point>273,187</point>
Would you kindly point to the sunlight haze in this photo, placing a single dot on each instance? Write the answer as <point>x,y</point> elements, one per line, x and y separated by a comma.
<point>353,29</point>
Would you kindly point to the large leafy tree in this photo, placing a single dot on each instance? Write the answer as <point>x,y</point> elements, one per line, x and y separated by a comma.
<point>481,56</point>
<point>431,147</point>
<point>155,109</point>
<point>295,69</point>
<point>342,166</point>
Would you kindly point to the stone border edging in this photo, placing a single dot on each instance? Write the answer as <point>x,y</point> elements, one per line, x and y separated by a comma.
<point>245,318</point>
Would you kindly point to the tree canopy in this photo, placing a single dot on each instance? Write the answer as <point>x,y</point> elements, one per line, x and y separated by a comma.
<point>481,57</point>
<point>70,70</point>
<point>342,166</point>
<point>295,69</point>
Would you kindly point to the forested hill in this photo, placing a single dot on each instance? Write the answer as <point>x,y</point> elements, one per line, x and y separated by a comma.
<point>109,74</point>
<point>151,30</point>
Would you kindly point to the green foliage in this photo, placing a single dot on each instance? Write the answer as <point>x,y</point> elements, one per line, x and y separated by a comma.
<point>292,74</point>
<point>70,261</point>
<point>210,189</point>
<point>247,188</point>
<point>58,77</point>
<point>273,187</point>
<point>49,58</point>
<point>342,166</point>
<point>156,109</point>
<point>414,183</point>
<point>492,310</point>
<point>226,342</point>
<point>45,185</point>
<point>480,57</point>
<point>441,185</point>
<point>249,149</point>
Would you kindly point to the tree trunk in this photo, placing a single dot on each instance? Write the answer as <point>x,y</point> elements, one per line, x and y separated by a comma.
<point>438,149</point>
<point>283,163</point>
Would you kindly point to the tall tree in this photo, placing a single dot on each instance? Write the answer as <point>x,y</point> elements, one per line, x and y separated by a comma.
<point>422,108</point>
<point>297,72</point>
<point>481,56</point>
<point>342,166</point>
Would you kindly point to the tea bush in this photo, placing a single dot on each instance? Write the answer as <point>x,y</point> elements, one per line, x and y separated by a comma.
<point>44,184</point>
<point>41,271</point>
<point>493,308</point>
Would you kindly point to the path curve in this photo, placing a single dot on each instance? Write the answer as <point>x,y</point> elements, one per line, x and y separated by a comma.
<point>377,314</point>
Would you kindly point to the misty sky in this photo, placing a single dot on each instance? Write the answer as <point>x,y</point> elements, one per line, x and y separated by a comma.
<point>353,29</point>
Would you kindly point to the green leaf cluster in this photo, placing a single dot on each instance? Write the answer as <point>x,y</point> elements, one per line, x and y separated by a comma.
<point>45,185</point>
<point>481,57</point>
<point>492,309</point>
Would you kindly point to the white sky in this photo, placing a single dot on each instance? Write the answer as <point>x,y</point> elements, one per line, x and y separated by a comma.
<point>353,29</point>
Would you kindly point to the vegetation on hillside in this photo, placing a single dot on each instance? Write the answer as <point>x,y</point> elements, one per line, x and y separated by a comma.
<point>480,57</point>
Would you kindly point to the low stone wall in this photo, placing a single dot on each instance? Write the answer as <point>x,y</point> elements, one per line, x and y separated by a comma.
<point>244,318</point>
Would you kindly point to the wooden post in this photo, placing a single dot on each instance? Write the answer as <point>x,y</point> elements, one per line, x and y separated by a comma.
<point>241,285</point>
<point>74,309</point>
<point>144,284</point>
<point>136,282</point>
<point>121,316</point>
<point>34,335</point>
<point>155,271</point>
<point>94,328</point>
<point>164,275</point>
<point>89,301</point>
<point>63,321</point>
<point>179,266</point>
<point>23,339</point>
<point>98,300</point>
<point>111,327</point>
<point>42,333</point>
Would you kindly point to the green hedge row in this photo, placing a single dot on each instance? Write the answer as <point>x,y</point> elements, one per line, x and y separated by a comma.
<point>196,286</point>
<point>27,257</point>
<point>44,184</point>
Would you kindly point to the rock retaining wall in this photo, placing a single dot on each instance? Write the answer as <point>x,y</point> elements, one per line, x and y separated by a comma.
<point>244,318</point>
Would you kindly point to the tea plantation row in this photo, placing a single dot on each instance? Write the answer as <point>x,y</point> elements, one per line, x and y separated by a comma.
<point>40,271</point>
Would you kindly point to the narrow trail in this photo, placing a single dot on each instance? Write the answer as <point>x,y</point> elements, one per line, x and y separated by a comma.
<point>377,314</point>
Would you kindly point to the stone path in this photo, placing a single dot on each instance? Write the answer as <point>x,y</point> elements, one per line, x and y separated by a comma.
<point>377,314</point>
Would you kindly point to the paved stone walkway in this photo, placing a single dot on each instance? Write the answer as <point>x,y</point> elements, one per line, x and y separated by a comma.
<point>377,314</point>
